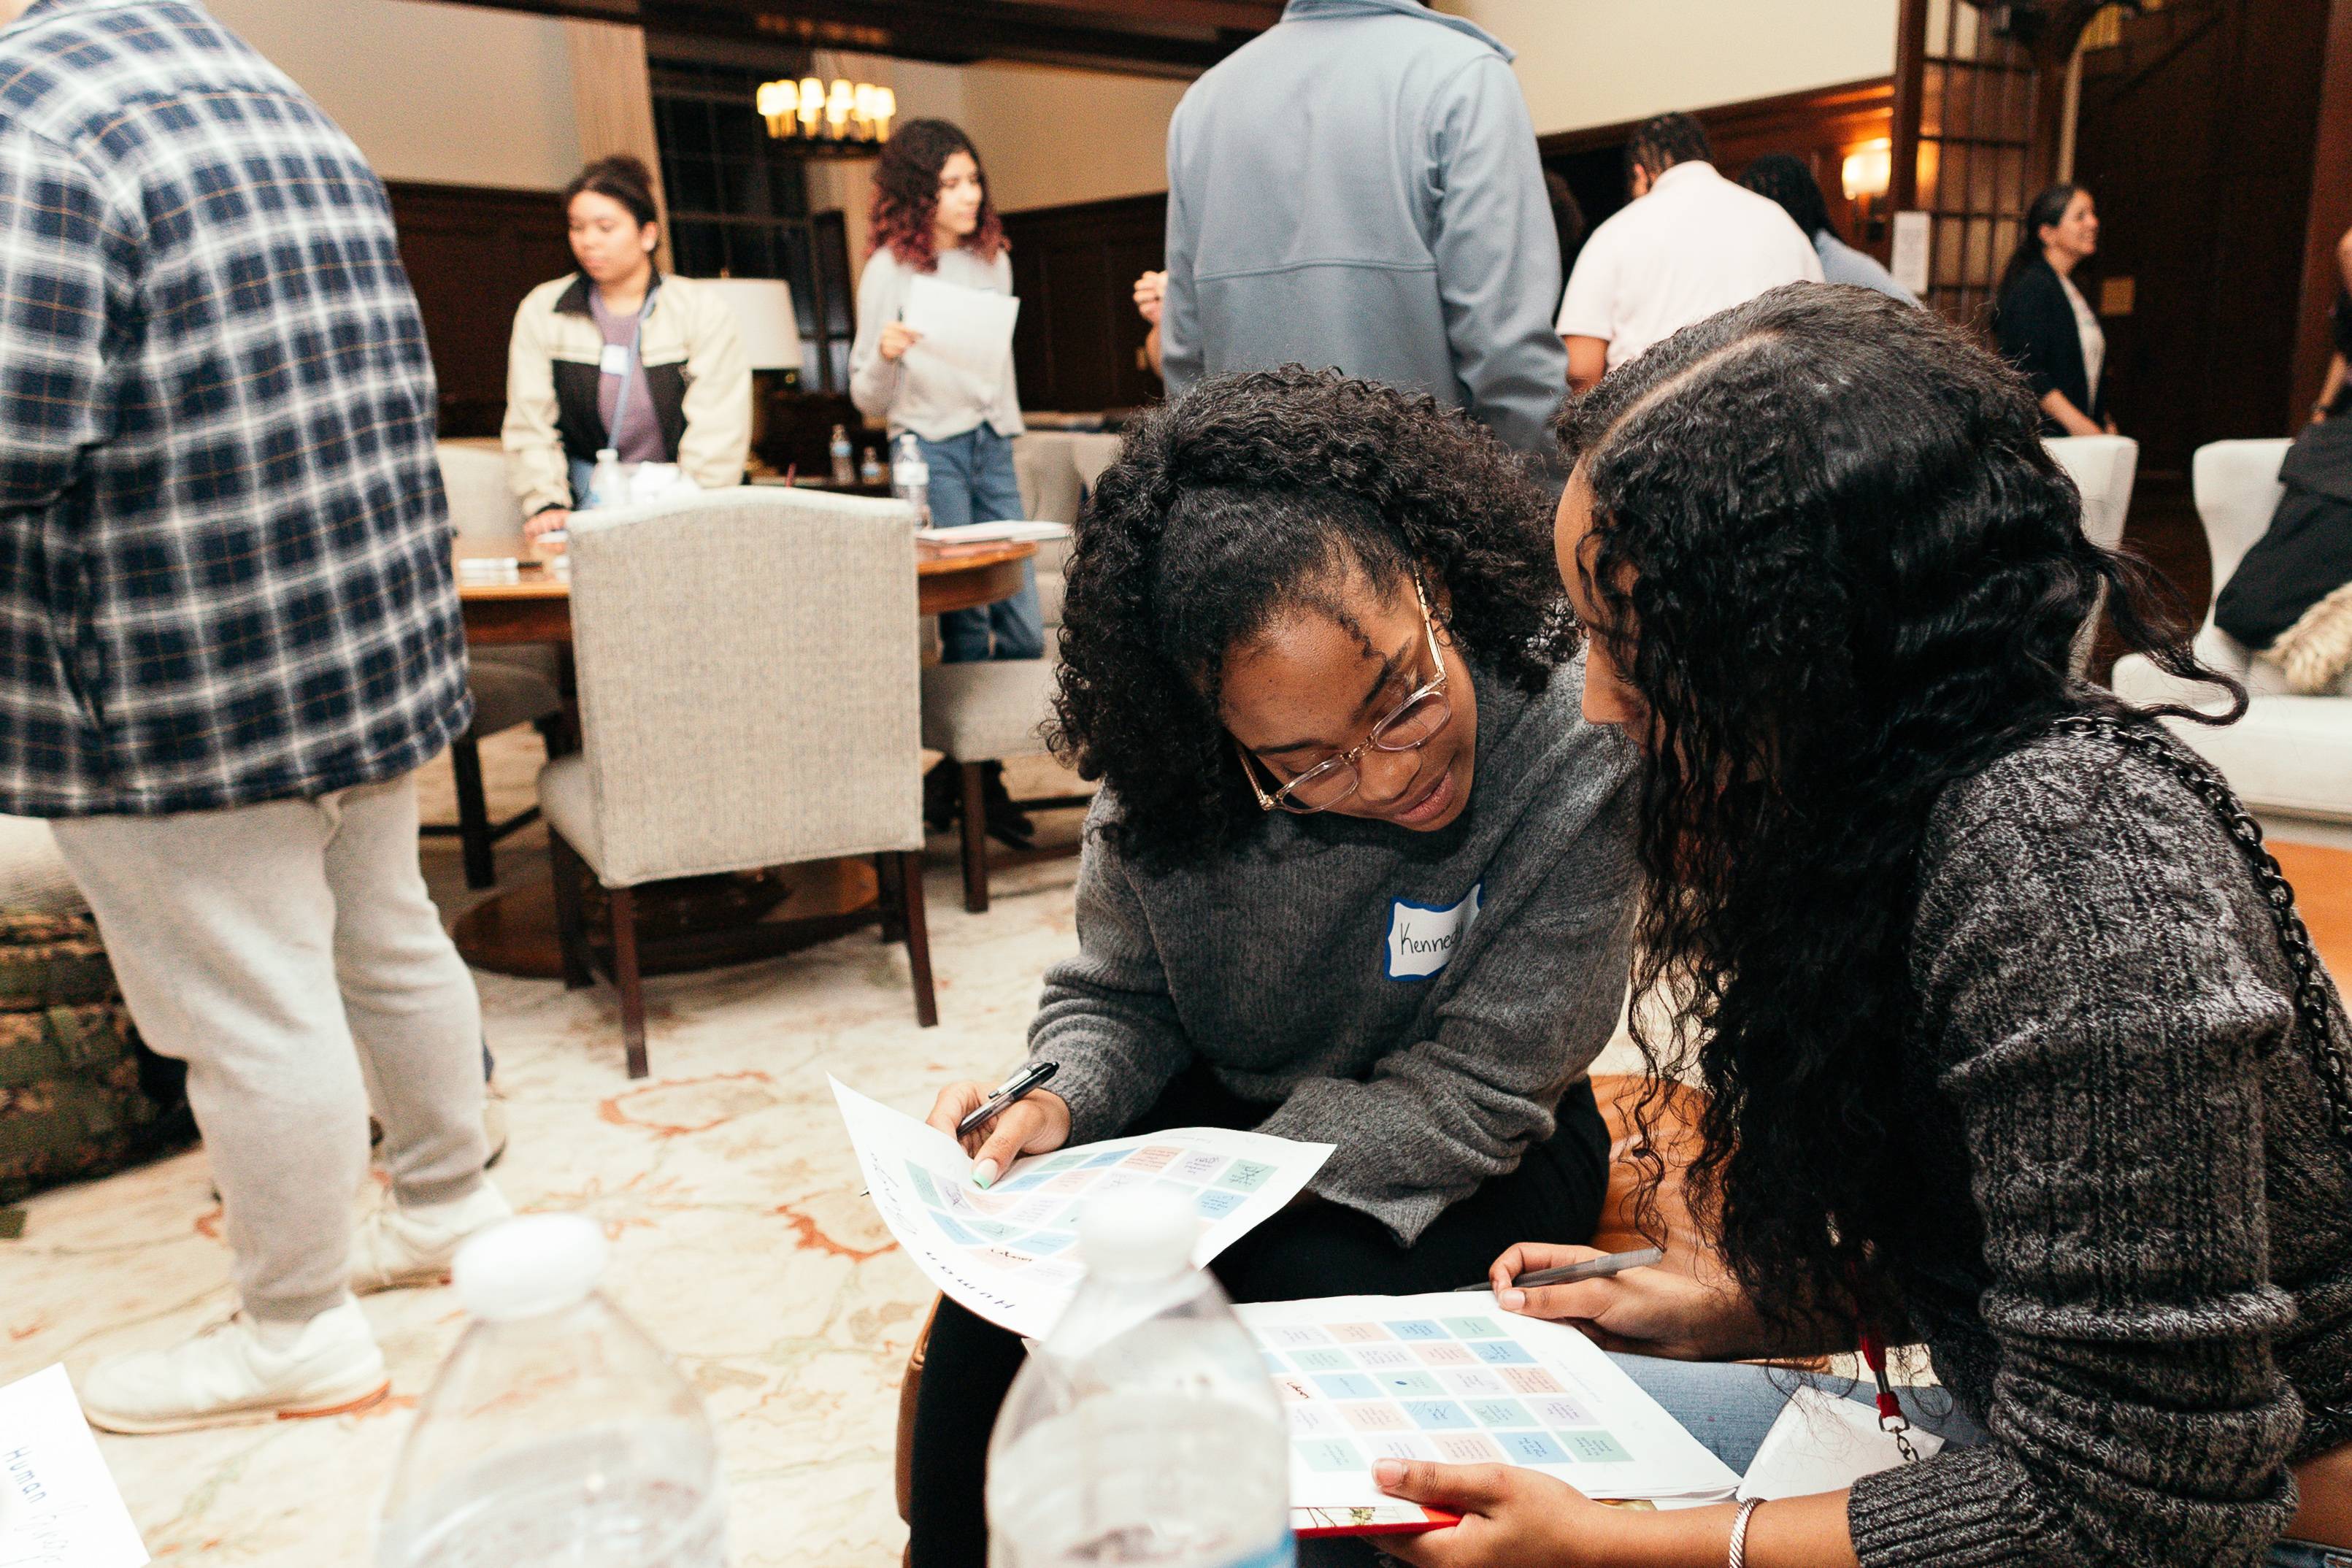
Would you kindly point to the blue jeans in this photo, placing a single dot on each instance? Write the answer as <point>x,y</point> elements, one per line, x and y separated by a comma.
<point>973,482</point>
<point>1728,1407</point>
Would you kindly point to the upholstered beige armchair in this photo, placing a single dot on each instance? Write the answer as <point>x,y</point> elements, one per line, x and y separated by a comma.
<point>746,698</point>
<point>511,685</point>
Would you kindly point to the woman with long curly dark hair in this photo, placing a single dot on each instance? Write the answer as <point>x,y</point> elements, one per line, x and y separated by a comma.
<point>1359,874</point>
<point>2010,1038</point>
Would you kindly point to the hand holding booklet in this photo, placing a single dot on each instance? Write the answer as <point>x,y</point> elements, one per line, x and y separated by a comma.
<point>1009,1254</point>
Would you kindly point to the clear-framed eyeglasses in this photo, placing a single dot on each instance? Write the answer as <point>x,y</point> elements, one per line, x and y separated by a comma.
<point>1410,725</point>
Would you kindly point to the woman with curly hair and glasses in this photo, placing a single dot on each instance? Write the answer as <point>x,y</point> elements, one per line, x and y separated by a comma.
<point>1359,875</point>
<point>2010,1038</point>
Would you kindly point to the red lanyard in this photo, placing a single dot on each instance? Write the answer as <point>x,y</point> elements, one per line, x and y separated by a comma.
<point>1891,1419</point>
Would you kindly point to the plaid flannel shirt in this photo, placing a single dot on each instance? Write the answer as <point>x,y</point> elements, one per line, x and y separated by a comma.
<point>224,553</point>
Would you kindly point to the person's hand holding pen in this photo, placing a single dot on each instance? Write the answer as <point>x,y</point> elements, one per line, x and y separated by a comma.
<point>897,339</point>
<point>1652,1311</point>
<point>1037,1122</point>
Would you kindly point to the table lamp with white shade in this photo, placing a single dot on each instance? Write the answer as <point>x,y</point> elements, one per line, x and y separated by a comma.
<point>765,319</point>
<point>771,331</point>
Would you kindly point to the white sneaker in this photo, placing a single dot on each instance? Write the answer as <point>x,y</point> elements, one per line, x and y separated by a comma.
<point>395,1246</point>
<point>226,1376</point>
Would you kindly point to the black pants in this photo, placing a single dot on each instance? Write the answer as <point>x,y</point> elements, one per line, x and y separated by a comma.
<point>1304,1252</point>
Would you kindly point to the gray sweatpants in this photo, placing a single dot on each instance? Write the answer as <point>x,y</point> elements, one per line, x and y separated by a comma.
<point>261,945</point>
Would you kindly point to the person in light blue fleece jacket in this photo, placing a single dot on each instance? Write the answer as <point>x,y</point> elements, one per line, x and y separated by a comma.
<point>1358,188</point>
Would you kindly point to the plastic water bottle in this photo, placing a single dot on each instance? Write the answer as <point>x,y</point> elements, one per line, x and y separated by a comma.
<point>556,1433</point>
<point>606,486</point>
<point>910,479</point>
<point>1145,1429</point>
<point>844,462</point>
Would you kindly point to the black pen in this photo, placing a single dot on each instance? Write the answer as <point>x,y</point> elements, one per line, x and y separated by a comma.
<point>1029,1076</point>
<point>1569,1273</point>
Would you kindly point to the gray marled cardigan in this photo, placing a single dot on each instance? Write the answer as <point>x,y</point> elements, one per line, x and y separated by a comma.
<point>2147,1301</point>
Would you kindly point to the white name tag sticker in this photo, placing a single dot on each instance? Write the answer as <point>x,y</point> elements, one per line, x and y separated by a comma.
<point>1422,937</point>
<point>617,359</point>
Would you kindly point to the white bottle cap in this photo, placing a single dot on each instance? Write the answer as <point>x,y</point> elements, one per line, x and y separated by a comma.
<point>525,1267</point>
<point>1139,1233</point>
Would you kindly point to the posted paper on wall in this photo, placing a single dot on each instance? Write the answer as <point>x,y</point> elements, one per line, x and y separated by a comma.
<point>968,333</point>
<point>59,1506</point>
<point>1453,1378</point>
<point>1011,1253</point>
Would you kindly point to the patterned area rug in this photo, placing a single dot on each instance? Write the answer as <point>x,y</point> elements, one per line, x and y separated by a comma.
<point>724,1182</point>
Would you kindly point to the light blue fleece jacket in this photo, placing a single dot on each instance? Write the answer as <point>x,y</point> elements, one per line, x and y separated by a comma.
<point>1357,186</point>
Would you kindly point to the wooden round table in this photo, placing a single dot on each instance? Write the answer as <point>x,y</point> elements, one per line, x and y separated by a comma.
<point>513,932</point>
<point>537,606</point>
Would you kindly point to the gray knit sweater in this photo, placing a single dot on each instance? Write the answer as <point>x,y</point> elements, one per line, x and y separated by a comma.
<point>2148,1302</point>
<point>1335,971</point>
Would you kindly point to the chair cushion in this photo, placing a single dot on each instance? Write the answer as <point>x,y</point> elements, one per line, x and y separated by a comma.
<point>506,695</point>
<point>987,710</point>
<point>2291,756</point>
<point>565,804</point>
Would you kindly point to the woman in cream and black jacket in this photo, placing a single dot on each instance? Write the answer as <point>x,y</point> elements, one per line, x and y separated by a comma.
<point>619,341</point>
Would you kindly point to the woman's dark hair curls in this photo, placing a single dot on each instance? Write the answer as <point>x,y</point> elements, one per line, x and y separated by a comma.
<point>907,194</point>
<point>1250,493</point>
<point>1833,556</point>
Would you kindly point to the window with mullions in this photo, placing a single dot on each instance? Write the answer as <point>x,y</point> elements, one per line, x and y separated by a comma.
<point>738,206</point>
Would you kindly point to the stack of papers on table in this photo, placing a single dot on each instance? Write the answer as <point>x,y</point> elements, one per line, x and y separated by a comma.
<point>1010,1252</point>
<point>997,532</point>
<point>1453,1379</point>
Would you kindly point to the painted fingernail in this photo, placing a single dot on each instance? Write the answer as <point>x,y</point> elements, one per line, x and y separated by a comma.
<point>1511,1300</point>
<point>983,1174</point>
<point>1387,1472</point>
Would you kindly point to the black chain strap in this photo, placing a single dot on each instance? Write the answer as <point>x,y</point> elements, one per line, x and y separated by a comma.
<point>2328,1053</point>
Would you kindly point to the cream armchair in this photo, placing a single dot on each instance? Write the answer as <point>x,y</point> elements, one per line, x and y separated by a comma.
<point>985,712</point>
<point>2289,758</point>
<point>511,685</point>
<point>746,698</point>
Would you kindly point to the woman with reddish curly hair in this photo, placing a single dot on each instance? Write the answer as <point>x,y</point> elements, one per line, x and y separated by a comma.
<point>932,216</point>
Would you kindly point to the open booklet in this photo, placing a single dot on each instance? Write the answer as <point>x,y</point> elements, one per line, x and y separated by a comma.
<point>1010,1252</point>
<point>1453,1379</point>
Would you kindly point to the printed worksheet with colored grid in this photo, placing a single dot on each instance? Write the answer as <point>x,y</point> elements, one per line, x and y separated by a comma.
<point>1011,1253</point>
<point>1453,1379</point>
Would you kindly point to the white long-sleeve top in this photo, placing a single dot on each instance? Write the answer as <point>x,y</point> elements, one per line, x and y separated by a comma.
<point>933,403</point>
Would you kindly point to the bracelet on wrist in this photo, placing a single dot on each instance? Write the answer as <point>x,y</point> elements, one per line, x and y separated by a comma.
<point>1737,1557</point>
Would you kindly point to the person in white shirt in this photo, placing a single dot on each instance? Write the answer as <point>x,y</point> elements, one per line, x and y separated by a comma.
<point>1690,244</point>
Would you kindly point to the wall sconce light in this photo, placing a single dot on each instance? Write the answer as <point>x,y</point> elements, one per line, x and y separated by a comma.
<point>855,116</point>
<point>1869,170</point>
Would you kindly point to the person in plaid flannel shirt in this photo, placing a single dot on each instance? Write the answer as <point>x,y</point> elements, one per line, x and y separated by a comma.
<point>228,638</point>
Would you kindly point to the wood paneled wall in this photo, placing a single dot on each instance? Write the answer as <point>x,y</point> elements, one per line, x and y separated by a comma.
<point>1821,126</point>
<point>2197,134</point>
<point>472,254</point>
<point>1078,344</point>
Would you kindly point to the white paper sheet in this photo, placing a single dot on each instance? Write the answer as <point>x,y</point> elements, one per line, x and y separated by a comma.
<point>1010,1253</point>
<point>59,1506</point>
<point>1909,263</point>
<point>992,533</point>
<point>1823,1442</point>
<point>967,333</point>
<point>1455,1379</point>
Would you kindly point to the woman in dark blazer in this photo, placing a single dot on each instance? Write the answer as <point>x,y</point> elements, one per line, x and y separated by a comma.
<point>2045,325</point>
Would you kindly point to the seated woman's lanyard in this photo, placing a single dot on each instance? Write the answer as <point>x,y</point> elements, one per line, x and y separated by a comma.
<point>1891,1419</point>
<point>629,366</point>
